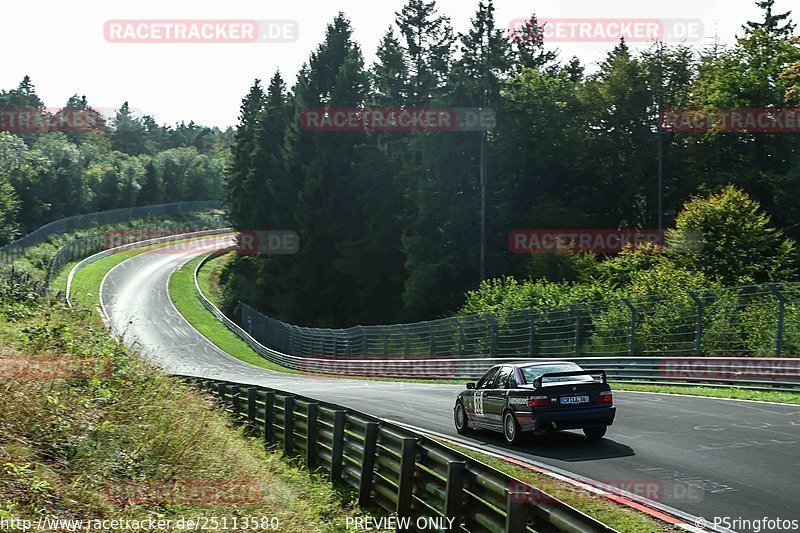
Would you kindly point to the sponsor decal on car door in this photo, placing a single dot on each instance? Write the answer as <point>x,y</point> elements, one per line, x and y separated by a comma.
<point>479,403</point>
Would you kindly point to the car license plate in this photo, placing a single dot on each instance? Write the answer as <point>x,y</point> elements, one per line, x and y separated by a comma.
<point>570,400</point>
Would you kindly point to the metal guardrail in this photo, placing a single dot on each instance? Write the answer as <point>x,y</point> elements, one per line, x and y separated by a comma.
<point>401,471</point>
<point>743,372</point>
<point>12,251</point>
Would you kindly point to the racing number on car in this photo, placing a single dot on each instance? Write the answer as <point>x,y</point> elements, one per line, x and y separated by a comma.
<point>479,403</point>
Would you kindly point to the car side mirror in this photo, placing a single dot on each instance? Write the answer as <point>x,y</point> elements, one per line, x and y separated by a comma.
<point>470,385</point>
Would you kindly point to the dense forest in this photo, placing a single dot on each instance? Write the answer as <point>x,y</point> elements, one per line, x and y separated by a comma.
<point>58,167</point>
<point>390,221</point>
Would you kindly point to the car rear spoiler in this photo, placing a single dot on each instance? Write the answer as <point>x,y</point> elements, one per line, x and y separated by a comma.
<point>538,381</point>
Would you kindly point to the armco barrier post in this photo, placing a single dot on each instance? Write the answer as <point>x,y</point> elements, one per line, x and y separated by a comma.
<point>311,435</point>
<point>269,417</point>
<point>632,331</point>
<point>405,484</point>
<point>773,287</point>
<point>222,390</point>
<point>516,515</point>
<point>454,492</point>
<point>235,402</point>
<point>252,393</point>
<point>698,327</point>
<point>368,464</point>
<point>337,447</point>
<point>288,425</point>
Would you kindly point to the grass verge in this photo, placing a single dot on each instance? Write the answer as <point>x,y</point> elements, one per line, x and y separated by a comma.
<point>713,392</point>
<point>183,295</point>
<point>87,446</point>
<point>620,517</point>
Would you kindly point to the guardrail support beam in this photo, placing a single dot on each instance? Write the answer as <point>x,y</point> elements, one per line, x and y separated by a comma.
<point>366,478</point>
<point>311,435</point>
<point>516,515</point>
<point>454,492</point>
<point>337,448</point>
<point>269,417</point>
<point>288,425</point>
<point>405,484</point>
<point>252,393</point>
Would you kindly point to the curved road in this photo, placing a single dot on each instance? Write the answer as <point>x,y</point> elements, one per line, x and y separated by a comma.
<point>707,457</point>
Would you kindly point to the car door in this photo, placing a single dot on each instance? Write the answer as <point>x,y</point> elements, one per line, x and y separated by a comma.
<point>476,409</point>
<point>495,398</point>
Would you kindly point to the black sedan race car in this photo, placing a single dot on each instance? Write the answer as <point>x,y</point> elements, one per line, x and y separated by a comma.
<point>538,398</point>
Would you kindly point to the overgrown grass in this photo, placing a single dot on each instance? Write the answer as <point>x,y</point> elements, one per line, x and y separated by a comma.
<point>66,444</point>
<point>615,515</point>
<point>714,392</point>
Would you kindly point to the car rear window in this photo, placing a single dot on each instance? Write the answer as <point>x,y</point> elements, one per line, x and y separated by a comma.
<point>531,373</point>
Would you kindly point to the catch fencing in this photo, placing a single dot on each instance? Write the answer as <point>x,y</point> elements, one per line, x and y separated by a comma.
<point>754,320</point>
<point>403,472</point>
<point>758,373</point>
<point>14,250</point>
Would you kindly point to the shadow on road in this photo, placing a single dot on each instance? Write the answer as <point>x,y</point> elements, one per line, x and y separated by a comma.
<point>564,446</point>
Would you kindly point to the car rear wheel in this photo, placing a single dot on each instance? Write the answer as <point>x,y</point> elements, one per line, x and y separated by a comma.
<point>511,428</point>
<point>595,433</point>
<point>461,419</point>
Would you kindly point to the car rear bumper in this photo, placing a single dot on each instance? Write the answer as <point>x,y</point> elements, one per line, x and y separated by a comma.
<point>567,418</point>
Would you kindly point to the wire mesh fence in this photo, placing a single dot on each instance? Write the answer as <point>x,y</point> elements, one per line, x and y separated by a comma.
<point>14,250</point>
<point>753,320</point>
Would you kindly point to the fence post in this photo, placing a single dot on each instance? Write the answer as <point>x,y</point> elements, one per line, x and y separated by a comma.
<point>576,349</point>
<point>251,409</point>
<point>385,341</point>
<point>516,517</point>
<point>311,435</point>
<point>460,337</point>
<point>632,332</point>
<point>698,328</point>
<point>269,417</point>
<point>492,334</point>
<point>337,447</point>
<point>773,287</point>
<point>454,492</point>
<point>405,484</point>
<point>222,390</point>
<point>368,464</point>
<point>405,341</point>
<point>430,340</point>
<point>532,334</point>
<point>235,402</point>
<point>288,425</point>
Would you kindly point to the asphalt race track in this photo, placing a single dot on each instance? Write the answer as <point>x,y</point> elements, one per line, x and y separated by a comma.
<point>706,457</point>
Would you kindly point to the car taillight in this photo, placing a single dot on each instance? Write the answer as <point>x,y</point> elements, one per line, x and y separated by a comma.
<point>539,401</point>
<point>606,397</point>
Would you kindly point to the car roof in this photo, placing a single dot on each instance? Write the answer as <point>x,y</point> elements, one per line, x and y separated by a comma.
<point>537,363</point>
